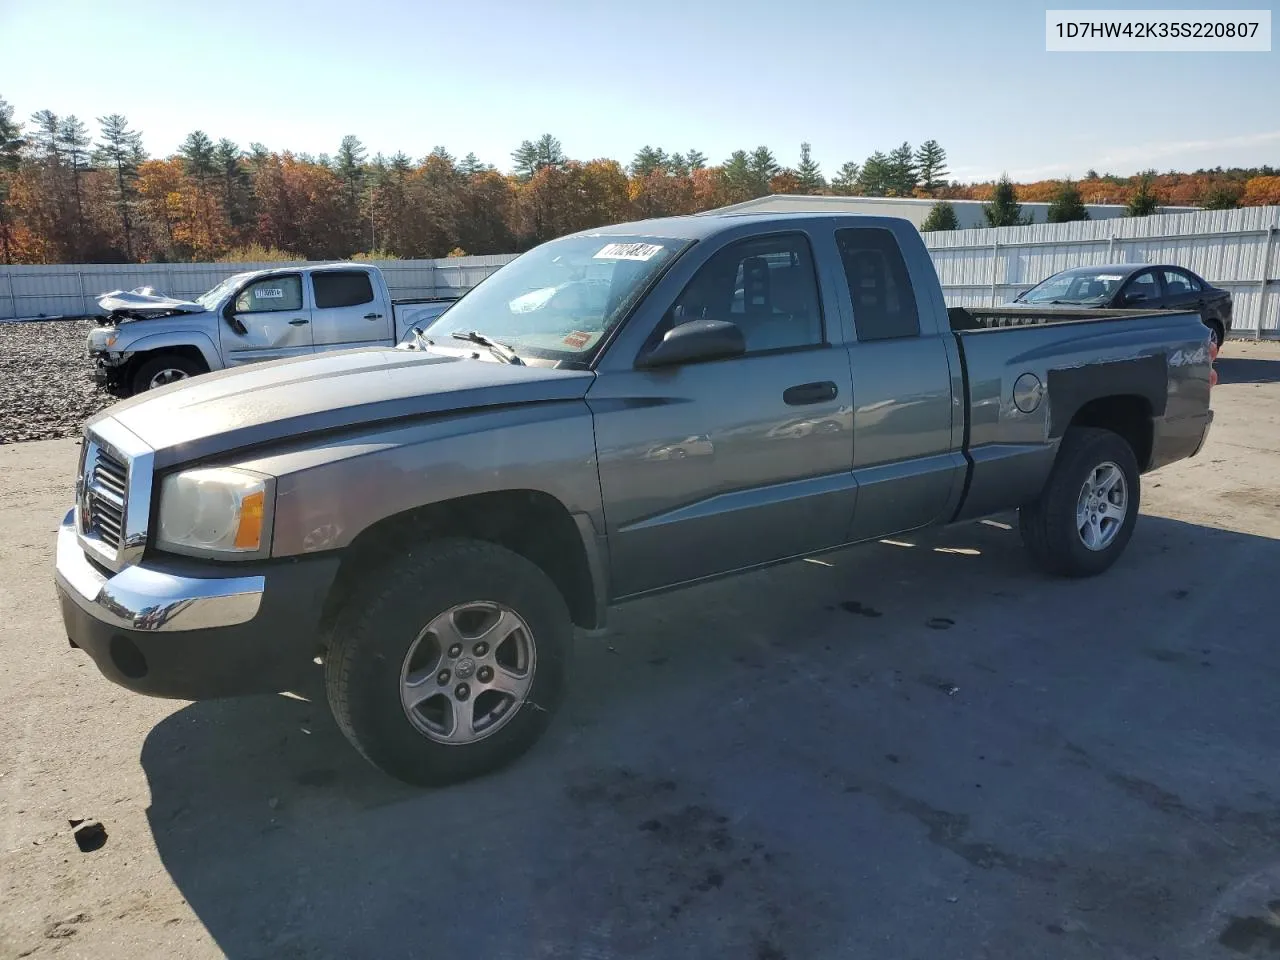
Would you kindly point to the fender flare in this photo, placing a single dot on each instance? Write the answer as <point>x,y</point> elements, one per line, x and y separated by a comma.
<point>158,341</point>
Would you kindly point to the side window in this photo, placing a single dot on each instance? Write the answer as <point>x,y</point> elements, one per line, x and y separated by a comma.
<point>347,288</point>
<point>1177,283</point>
<point>884,305</point>
<point>1142,288</point>
<point>766,285</point>
<point>271,294</point>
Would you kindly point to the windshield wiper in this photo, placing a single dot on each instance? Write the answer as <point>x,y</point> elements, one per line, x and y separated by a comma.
<point>499,350</point>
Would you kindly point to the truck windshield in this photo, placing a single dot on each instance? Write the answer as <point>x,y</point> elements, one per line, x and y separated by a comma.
<point>560,300</point>
<point>1074,286</point>
<point>210,299</point>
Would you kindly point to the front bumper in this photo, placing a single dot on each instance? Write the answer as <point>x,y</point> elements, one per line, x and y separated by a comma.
<point>109,369</point>
<point>186,629</point>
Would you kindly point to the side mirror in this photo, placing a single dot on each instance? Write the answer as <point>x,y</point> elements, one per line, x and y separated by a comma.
<point>229,314</point>
<point>695,342</point>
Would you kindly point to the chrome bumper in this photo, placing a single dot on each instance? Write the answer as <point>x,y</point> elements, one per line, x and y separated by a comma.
<point>138,598</point>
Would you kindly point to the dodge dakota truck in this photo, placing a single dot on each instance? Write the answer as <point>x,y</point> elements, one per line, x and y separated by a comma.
<point>145,341</point>
<point>614,413</point>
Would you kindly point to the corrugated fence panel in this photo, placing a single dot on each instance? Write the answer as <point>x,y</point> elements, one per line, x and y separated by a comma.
<point>1238,250</point>
<point>73,289</point>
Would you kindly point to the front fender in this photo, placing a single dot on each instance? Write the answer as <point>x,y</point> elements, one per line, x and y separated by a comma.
<point>149,343</point>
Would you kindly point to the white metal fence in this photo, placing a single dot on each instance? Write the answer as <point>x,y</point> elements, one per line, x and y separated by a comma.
<point>1237,250</point>
<point>73,289</point>
<point>1234,249</point>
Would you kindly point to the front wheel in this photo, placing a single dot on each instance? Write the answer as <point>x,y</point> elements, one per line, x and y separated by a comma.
<point>162,370</point>
<point>449,662</point>
<point>1084,517</point>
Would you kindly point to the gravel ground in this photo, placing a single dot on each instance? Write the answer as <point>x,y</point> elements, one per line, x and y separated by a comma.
<point>45,390</point>
<point>910,750</point>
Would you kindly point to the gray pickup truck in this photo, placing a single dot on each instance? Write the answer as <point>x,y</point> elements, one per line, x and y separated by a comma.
<point>615,413</point>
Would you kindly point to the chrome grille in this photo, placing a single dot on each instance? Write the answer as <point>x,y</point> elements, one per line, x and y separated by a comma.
<point>113,494</point>
<point>106,486</point>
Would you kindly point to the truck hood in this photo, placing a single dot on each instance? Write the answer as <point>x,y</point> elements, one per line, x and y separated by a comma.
<point>143,303</point>
<point>247,406</point>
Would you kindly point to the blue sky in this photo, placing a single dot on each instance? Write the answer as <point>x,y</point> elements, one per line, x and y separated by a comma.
<point>606,78</point>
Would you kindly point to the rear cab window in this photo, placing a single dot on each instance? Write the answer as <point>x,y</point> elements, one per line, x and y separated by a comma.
<point>884,303</point>
<point>342,288</point>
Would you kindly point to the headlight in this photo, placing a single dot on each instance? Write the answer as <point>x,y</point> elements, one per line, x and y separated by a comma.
<point>103,339</point>
<point>218,510</point>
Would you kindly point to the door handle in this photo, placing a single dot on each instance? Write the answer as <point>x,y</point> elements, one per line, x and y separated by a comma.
<point>373,316</point>
<point>300,322</point>
<point>806,393</point>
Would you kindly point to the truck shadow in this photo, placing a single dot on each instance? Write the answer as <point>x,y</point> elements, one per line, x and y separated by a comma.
<point>1247,370</point>
<point>748,768</point>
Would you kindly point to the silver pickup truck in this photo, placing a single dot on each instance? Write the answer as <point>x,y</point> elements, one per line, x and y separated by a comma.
<point>615,413</point>
<point>144,340</point>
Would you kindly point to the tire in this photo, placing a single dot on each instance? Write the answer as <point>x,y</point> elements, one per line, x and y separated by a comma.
<point>380,643</point>
<point>1216,331</point>
<point>1049,526</point>
<point>151,373</point>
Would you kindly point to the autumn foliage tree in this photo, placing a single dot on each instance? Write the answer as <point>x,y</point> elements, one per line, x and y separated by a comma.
<point>70,194</point>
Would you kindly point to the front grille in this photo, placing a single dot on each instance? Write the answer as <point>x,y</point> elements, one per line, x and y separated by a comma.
<point>106,480</point>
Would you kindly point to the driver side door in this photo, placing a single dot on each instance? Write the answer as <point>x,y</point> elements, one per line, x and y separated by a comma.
<point>1142,292</point>
<point>720,465</point>
<point>275,318</point>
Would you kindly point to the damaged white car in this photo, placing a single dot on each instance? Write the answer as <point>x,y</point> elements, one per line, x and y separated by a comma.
<point>147,340</point>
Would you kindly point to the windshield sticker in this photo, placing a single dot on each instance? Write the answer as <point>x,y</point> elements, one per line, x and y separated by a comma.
<point>628,251</point>
<point>577,339</point>
<point>1107,276</point>
<point>269,293</point>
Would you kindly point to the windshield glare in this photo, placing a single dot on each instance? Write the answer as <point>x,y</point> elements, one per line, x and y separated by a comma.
<point>1074,287</point>
<point>210,300</point>
<point>559,300</point>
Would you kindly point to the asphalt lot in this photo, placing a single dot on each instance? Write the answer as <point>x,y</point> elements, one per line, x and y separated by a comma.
<point>919,750</point>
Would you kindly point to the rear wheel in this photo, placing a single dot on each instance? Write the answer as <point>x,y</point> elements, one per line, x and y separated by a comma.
<point>162,370</point>
<point>448,663</point>
<point>1085,515</point>
<point>1216,331</point>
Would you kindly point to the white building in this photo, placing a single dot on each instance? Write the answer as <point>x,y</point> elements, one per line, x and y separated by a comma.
<point>968,212</point>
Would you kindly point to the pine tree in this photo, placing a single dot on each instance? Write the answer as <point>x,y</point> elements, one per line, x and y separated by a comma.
<point>199,163</point>
<point>737,176</point>
<point>1221,197</point>
<point>1067,204</point>
<point>846,180</point>
<point>647,160</point>
<point>903,175</point>
<point>51,217</point>
<point>942,216</point>
<point>1143,202</point>
<point>808,173</point>
<point>120,151</point>
<point>441,153</point>
<point>227,156</point>
<point>1004,210</point>
<point>11,144</point>
<point>764,167</point>
<point>931,161</point>
<point>876,179</point>
<point>470,165</point>
<point>530,156</point>
<point>74,143</point>
<point>696,159</point>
